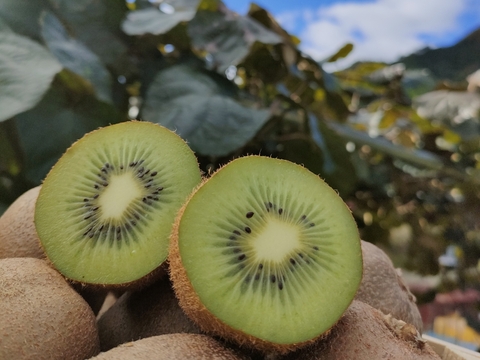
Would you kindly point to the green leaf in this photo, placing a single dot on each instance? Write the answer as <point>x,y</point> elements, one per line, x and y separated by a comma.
<point>157,21</point>
<point>227,37</point>
<point>47,130</point>
<point>418,157</point>
<point>196,105</point>
<point>26,71</point>
<point>10,151</point>
<point>22,16</point>
<point>96,24</point>
<point>340,54</point>
<point>75,56</point>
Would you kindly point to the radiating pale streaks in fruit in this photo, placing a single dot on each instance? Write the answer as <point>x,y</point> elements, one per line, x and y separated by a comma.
<point>121,191</point>
<point>276,240</point>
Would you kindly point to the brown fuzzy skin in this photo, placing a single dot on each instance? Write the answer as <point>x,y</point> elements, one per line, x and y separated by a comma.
<point>384,289</point>
<point>365,333</point>
<point>42,317</point>
<point>18,237</point>
<point>172,346</point>
<point>195,310</point>
<point>137,315</point>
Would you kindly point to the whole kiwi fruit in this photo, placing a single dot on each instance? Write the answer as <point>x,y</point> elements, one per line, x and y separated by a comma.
<point>265,254</point>
<point>365,333</point>
<point>106,209</point>
<point>151,311</point>
<point>41,316</point>
<point>383,287</point>
<point>18,237</point>
<point>173,346</point>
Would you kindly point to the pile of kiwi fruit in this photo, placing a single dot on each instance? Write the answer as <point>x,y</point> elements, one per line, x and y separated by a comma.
<point>128,251</point>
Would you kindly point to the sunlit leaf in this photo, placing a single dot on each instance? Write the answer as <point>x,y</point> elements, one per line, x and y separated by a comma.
<point>196,105</point>
<point>155,21</point>
<point>340,54</point>
<point>75,56</point>
<point>417,157</point>
<point>227,37</point>
<point>452,107</point>
<point>26,71</point>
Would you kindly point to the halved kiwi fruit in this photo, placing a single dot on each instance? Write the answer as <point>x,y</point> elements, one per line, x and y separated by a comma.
<point>106,208</point>
<point>265,253</point>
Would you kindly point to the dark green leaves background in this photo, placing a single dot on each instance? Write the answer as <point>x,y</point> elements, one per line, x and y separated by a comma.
<point>232,85</point>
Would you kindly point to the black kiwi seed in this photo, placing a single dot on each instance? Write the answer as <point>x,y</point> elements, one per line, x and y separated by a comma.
<point>236,250</point>
<point>315,248</point>
<point>242,257</point>
<point>249,214</point>
<point>236,232</point>
<point>303,217</point>
<point>260,266</point>
<point>248,230</point>
<point>273,278</point>
<point>153,173</point>
<point>96,196</point>
<point>280,211</point>
<point>280,285</point>
<point>85,199</point>
<point>312,224</point>
<point>293,261</point>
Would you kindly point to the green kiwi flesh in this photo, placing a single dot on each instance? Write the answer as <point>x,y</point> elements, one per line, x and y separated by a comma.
<point>106,208</point>
<point>269,249</point>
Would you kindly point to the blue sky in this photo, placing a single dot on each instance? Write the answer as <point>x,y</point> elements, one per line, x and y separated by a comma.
<point>382,30</point>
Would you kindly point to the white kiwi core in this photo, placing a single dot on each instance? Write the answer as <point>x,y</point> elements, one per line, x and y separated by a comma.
<point>287,239</point>
<point>122,190</point>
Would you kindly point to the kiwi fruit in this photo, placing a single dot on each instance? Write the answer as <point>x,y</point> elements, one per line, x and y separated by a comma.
<point>18,237</point>
<point>41,316</point>
<point>106,208</point>
<point>383,287</point>
<point>265,254</point>
<point>149,312</point>
<point>364,332</point>
<point>173,346</point>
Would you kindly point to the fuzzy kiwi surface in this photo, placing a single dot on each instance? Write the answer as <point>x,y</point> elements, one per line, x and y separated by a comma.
<point>173,346</point>
<point>106,208</point>
<point>18,237</point>
<point>265,254</point>
<point>383,287</point>
<point>366,333</point>
<point>151,311</point>
<point>41,316</point>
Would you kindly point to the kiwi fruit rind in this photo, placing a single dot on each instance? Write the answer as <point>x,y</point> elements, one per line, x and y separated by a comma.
<point>265,254</point>
<point>384,288</point>
<point>173,346</point>
<point>148,312</point>
<point>106,208</point>
<point>364,332</point>
<point>18,237</point>
<point>41,316</point>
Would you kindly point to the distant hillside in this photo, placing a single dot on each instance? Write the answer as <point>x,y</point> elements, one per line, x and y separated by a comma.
<point>453,63</point>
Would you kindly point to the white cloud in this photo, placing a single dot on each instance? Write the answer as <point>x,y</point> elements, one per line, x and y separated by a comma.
<point>382,30</point>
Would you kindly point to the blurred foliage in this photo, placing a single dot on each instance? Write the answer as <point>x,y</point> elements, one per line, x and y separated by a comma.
<point>404,157</point>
